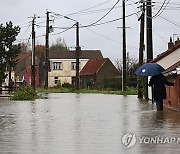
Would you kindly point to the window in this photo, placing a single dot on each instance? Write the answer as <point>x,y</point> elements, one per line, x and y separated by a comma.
<point>73,65</point>
<point>55,79</point>
<point>57,66</point>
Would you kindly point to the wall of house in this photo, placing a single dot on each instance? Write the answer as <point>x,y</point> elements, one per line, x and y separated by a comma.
<point>169,60</point>
<point>66,74</point>
<point>166,62</point>
<point>21,66</point>
<point>87,80</point>
<point>27,76</point>
<point>173,93</point>
<point>6,81</point>
<point>107,71</point>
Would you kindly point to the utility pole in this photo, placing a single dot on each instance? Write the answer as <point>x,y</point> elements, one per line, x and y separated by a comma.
<point>47,51</point>
<point>141,46</point>
<point>33,54</point>
<point>149,38</point>
<point>149,30</point>
<point>124,48</point>
<point>78,49</point>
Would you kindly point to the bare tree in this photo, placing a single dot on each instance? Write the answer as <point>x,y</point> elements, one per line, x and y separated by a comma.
<point>132,64</point>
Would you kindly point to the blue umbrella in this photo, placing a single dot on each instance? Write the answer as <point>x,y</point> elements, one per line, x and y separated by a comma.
<point>149,69</point>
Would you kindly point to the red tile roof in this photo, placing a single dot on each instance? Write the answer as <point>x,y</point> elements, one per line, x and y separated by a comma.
<point>23,55</point>
<point>84,54</point>
<point>166,53</point>
<point>92,66</point>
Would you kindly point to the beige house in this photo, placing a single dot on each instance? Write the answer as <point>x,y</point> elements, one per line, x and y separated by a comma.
<point>62,65</point>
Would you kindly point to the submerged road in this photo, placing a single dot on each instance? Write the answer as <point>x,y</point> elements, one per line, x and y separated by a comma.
<point>87,124</point>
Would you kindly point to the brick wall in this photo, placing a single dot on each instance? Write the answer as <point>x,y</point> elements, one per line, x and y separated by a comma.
<point>27,76</point>
<point>173,93</point>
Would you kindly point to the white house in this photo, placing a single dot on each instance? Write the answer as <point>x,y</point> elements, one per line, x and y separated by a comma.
<point>168,58</point>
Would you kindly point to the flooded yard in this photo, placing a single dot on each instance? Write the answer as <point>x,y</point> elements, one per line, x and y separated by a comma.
<point>87,124</point>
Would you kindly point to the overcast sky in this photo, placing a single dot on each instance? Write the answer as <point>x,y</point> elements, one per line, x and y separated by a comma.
<point>106,37</point>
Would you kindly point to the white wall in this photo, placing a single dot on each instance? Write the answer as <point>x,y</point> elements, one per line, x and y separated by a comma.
<point>169,60</point>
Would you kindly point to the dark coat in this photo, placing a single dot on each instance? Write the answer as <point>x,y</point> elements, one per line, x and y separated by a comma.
<point>159,90</point>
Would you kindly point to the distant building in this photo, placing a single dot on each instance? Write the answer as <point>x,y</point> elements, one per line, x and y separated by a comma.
<point>27,76</point>
<point>170,60</point>
<point>23,68</point>
<point>62,65</point>
<point>96,71</point>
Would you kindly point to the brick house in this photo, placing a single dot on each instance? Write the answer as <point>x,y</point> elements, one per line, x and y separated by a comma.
<point>96,71</point>
<point>27,75</point>
<point>23,67</point>
<point>170,60</point>
<point>173,93</point>
<point>62,65</point>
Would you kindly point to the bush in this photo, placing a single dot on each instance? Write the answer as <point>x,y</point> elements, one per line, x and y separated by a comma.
<point>67,85</point>
<point>25,93</point>
<point>59,84</point>
<point>132,81</point>
<point>114,82</point>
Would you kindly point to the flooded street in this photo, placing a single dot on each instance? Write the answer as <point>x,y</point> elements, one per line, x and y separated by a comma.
<point>85,124</point>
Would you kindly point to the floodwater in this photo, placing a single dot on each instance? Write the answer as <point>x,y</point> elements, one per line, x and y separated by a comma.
<point>86,124</point>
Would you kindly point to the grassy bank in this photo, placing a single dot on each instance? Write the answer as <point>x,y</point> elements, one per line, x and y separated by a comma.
<point>130,91</point>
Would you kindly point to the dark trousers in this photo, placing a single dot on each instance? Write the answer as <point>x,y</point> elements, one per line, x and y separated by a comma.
<point>159,104</point>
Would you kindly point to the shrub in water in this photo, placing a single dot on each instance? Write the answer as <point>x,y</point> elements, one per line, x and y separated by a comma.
<point>25,93</point>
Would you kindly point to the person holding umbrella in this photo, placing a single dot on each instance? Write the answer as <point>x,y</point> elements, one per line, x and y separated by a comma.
<point>157,81</point>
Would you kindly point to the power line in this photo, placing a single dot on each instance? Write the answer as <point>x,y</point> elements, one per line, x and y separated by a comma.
<point>97,11</point>
<point>108,38</point>
<point>25,32</point>
<point>104,15</point>
<point>160,36</point>
<point>64,30</point>
<point>89,8</point>
<point>114,20</point>
<point>162,8</point>
<point>95,21</point>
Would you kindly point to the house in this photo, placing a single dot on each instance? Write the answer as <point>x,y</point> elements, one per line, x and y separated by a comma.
<point>96,71</point>
<point>23,67</point>
<point>23,60</point>
<point>62,65</point>
<point>17,73</point>
<point>170,60</point>
<point>173,93</point>
<point>27,75</point>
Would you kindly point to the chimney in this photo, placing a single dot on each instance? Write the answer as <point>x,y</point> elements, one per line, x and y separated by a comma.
<point>177,41</point>
<point>170,44</point>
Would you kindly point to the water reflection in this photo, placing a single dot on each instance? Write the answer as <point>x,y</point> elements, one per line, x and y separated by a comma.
<point>83,123</point>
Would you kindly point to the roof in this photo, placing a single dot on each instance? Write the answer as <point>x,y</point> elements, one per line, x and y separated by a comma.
<point>23,55</point>
<point>173,67</point>
<point>84,54</point>
<point>166,53</point>
<point>92,66</point>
